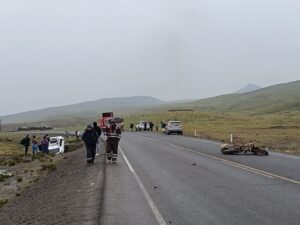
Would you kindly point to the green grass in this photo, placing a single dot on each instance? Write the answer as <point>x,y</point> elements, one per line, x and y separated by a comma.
<point>273,99</point>
<point>10,144</point>
<point>277,131</point>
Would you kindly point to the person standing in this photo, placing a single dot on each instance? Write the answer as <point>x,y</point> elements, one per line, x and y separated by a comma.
<point>90,139</point>
<point>151,126</point>
<point>34,146</point>
<point>131,126</point>
<point>76,135</point>
<point>45,144</point>
<point>26,143</point>
<point>98,130</point>
<point>112,142</point>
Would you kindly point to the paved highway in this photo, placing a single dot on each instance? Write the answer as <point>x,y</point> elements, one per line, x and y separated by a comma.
<point>162,179</point>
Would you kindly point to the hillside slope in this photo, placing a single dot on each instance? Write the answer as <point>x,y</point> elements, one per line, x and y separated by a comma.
<point>277,98</point>
<point>248,88</point>
<point>85,109</point>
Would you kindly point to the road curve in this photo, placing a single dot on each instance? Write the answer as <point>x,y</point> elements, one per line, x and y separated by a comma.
<point>190,182</point>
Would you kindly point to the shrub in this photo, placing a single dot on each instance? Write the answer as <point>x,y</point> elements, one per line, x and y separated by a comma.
<point>3,201</point>
<point>50,167</point>
<point>11,163</point>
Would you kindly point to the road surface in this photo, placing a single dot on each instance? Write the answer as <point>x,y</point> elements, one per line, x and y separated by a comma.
<point>162,179</point>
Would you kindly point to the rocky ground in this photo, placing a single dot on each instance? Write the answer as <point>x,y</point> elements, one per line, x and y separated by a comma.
<point>72,194</point>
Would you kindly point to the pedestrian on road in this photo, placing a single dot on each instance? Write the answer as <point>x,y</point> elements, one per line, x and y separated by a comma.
<point>151,124</point>
<point>98,131</point>
<point>112,142</point>
<point>26,143</point>
<point>131,126</point>
<point>90,139</point>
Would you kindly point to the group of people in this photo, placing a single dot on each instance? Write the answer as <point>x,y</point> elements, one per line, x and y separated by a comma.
<point>36,146</point>
<point>91,137</point>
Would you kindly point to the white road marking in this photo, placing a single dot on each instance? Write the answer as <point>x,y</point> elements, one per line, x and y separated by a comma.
<point>218,143</point>
<point>257,171</point>
<point>151,203</point>
<point>250,170</point>
<point>286,156</point>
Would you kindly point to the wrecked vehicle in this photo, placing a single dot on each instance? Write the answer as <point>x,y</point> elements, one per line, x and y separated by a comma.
<point>250,148</point>
<point>56,145</point>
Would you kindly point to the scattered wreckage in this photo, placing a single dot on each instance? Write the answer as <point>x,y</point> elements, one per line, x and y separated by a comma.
<point>250,148</point>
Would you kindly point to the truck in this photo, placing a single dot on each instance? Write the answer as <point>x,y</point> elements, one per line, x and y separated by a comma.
<point>104,120</point>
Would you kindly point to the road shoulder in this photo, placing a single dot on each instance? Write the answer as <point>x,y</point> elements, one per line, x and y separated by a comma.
<point>70,195</point>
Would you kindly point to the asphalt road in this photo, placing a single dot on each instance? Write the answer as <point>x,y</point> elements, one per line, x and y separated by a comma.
<point>185,181</point>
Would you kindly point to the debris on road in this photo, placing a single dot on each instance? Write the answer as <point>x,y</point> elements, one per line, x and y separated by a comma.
<point>249,148</point>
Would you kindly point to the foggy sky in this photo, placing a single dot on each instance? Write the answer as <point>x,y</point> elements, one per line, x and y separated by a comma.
<point>66,51</point>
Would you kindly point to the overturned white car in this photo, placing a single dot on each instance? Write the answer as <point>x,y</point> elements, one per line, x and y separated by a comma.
<point>56,145</point>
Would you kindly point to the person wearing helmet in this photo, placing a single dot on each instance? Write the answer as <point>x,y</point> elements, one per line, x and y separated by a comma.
<point>113,134</point>
<point>90,139</point>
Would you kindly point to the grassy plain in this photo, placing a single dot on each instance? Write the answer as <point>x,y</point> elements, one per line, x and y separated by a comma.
<point>279,131</point>
<point>10,144</point>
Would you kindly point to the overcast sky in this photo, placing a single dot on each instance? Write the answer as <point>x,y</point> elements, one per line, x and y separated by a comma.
<point>59,52</point>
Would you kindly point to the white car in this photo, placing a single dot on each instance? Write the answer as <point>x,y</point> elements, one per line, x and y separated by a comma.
<point>174,127</point>
<point>141,126</point>
<point>56,145</point>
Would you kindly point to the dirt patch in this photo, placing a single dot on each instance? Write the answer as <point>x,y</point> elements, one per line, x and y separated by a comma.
<point>69,195</point>
<point>24,174</point>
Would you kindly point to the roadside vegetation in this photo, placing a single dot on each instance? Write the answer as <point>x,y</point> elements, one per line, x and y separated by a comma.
<point>280,131</point>
<point>18,172</point>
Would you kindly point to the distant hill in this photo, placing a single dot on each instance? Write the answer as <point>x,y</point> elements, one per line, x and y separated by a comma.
<point>248,88</point>
<point>277,98</point>
<point>85,109</point>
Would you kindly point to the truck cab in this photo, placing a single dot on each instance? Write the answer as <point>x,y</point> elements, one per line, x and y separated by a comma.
<point>104,120</point>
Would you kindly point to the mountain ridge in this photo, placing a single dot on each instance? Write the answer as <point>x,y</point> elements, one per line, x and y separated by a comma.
<point>276,98</point>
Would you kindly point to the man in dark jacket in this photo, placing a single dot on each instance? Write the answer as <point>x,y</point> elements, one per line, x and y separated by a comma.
<point>90,139</point>
<point>26,143</point>
<point>98,130</point>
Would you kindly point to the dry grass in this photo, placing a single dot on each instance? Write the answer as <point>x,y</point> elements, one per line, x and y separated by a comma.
<point>276,131</point>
